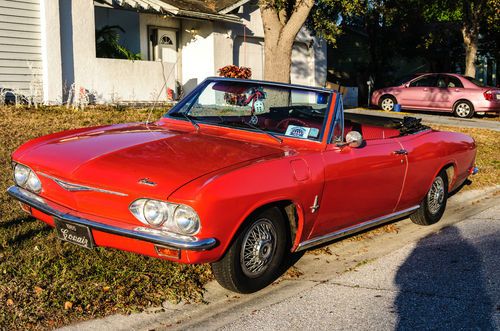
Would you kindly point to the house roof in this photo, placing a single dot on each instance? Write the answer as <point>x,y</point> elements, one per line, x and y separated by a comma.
<point>201,9</point>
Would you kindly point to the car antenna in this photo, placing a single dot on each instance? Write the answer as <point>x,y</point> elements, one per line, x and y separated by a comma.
<point>165,80</point>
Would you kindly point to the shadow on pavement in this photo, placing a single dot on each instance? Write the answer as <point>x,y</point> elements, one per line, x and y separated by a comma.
<point>445,285</point>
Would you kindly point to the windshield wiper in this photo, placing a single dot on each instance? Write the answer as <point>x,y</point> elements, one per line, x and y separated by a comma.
<point>189,118</point>
<point>278,139</point>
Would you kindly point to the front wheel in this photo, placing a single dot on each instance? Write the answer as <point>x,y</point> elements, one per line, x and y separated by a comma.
<point>256,256</point>
<point>432,207</point>
<point>463,109</point>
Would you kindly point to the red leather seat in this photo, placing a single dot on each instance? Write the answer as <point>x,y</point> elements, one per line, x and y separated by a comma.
<point>370,132</point>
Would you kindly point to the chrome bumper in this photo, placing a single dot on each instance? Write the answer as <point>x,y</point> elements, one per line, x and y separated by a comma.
<point>166,239</point>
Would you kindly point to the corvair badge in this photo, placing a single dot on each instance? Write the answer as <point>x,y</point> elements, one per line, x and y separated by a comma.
<point>146,181</point>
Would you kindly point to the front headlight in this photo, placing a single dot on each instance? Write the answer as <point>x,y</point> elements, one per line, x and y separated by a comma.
<point>26,178</point>
<point>155,212</point>
<point>21,174</point>
<point>34,183</point>
<point>186,219</point>
<point>180,219</point>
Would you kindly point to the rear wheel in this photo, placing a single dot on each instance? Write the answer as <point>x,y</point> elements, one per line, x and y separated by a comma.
<point>432,207</point>
<point>255,258</point>
<point>463,109</point>
<point>387,103</point>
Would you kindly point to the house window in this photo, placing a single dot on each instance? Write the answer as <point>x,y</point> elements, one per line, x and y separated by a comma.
<point>117,33</point>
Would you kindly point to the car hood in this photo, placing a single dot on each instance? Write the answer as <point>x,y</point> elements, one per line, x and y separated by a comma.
<point>119,157</point>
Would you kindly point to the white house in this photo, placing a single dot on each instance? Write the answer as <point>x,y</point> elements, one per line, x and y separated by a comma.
<point>48,46</point>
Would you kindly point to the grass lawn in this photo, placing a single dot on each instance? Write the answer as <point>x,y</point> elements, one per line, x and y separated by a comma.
<point>46,283</point>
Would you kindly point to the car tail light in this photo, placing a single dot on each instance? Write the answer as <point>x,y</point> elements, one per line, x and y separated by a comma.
<point>488,95</point>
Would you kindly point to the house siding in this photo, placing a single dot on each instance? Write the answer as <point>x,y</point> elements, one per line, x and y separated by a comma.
<point>20,44</point>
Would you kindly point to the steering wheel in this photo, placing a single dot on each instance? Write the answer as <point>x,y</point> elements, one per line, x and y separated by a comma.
<point>286,122</point>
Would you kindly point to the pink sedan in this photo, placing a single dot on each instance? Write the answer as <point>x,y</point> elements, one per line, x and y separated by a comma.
<point>454,93</point>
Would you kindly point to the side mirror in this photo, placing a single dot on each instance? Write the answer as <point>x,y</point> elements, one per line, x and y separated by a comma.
<point>354,139</point>
<point>406,85</point>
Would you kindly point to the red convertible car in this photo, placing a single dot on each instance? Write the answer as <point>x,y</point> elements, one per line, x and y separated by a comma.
<point>239,174</point>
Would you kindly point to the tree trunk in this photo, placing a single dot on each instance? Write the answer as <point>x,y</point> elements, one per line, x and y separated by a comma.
<point>278,61</point>
<point>470,44</point>
<point>280,30</point>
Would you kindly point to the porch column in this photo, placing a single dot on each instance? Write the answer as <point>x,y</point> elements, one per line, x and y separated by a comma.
<point>51,52</point>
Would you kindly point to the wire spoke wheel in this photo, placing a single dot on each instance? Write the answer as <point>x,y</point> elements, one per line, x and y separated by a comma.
<point>435,196</point>
<point>258,247</point>
<point>256,257</point>
<point>433,205</point>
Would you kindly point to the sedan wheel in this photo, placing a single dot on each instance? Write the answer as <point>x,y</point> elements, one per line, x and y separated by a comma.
<point>256,256</point>
<point>387,103</point>
<point>464,109</point>
<point>432,207</point>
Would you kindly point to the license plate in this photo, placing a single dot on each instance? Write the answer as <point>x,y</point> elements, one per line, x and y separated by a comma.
<point>74,233</point>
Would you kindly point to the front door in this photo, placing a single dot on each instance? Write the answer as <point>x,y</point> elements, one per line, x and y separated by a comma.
<point>360,184</point>
<point>166,51</point>
<point>420,93</point>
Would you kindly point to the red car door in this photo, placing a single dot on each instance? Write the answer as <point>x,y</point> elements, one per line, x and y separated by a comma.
<point>360,184</point>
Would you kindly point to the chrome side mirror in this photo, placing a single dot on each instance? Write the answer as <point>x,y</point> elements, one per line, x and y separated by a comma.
<point>354,139</point>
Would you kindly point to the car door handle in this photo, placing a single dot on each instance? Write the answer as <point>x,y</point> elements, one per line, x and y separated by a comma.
<point>400,152</point>
<point>426,89</point>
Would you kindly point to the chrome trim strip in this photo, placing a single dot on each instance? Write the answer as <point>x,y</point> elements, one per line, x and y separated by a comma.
<point>79,188</point>
<point>39,203</point>
<point>353,229</point>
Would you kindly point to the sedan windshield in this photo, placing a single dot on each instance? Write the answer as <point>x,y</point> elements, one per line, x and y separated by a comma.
<point>276,110</point>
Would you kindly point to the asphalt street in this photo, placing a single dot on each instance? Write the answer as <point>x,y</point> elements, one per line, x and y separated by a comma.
<point>443,277</point>
<point>435,118</point>
<point>449,280</point>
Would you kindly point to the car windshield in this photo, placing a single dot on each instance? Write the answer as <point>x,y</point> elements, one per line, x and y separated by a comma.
<point>475,81</point>
<point>276,110</point>
<point>404,79</point>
